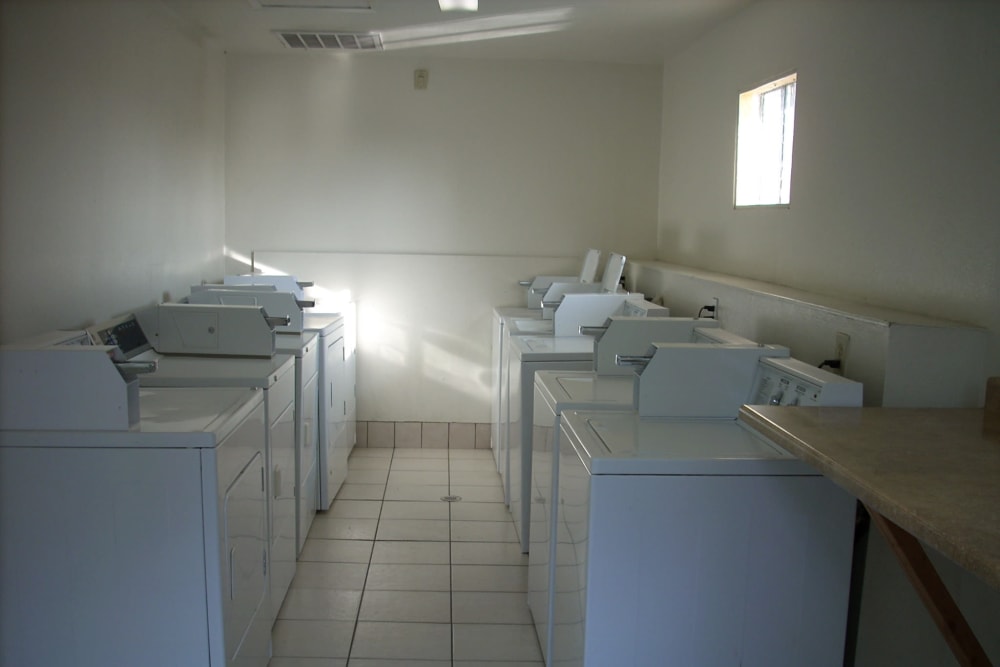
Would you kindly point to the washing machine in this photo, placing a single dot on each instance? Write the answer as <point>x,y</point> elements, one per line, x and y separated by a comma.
<point>273,376</point>
<point>684,538</point>
<point>576,311</point>
<point>133,520</point>
<point>525,356</point>
<point>612,389</point>
<point>337,402</point>
<point>537,286</point>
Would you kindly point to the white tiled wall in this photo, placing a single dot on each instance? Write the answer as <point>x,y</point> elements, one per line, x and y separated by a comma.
<point>435,435</point>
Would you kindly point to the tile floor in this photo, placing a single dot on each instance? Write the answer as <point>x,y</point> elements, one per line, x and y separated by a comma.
<point>392,575</point>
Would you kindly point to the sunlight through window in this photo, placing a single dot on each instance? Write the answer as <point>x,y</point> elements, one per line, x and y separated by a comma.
<point>764,144</point>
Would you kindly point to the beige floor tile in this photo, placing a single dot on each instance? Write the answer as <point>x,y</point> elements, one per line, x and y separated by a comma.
<point>478,464</point>
<point>402,641</point>
<point>487,553</point>
<point>473,478</point>
<point>489,578</point>
<point>426,553</point>
<point>496,663</point>
<point>307,662</point>
<point>478,494</point>
<point>336,551</point>
<point>340,576</point>
<point>361,492</point>
<point>436,464</point>
<point>477,607</point>
<point>379,662</point>
<point>483,531</point>
<point>423,453</point>
<point>421,477</point>
<point>478,454</point>
<point>370,462</point>
<point>406,606</point>
<point>367,452</point>
<point>431,530</point>
<point>431,509</point>
<point>495,642</point>
<point>352,509</point>
<point>472,511</point>
<point>370,476</point>
<point>416,492</point>
<point>320,604</point>
<point>312,639</point>
<point>407,577</point>
<point>343,529</point>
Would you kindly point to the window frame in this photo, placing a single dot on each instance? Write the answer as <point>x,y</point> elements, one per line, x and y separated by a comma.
<point>747,97</point>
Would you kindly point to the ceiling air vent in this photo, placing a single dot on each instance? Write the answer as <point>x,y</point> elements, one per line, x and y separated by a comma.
<point>331,41</point>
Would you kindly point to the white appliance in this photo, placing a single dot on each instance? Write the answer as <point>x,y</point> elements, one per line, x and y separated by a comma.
<point>574,314</point>
<point>526,355</point>
<point>290,339</point>
<point>274,302</point>
<point>610,284</point>
<point>142,544</point>
<point>274,376</point>
<point>537,287</point>
<point>279,283</point>
<point>683,538</point>
<point>54,337</point>
<point>210,329</point>
<point>498,372</point>
<point>305,348</point>
<point>337,403</point>
<point>610,389</point>
<point>583,310</point>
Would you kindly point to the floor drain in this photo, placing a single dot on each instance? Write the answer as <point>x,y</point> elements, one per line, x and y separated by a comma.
<point>451,499</point>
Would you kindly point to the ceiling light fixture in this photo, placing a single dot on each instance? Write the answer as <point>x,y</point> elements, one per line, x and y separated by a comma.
<point>458,5</point>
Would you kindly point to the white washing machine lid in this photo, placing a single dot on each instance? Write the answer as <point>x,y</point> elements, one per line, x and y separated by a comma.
<point>523,326</point>
<point>580,390</point>
<point>504,312</point>
<point>553,348</point>
<point>183,418</point>
<point>617,443</point>
<point>322,323</point>
<point>184,371</point>
<point>294,343</point>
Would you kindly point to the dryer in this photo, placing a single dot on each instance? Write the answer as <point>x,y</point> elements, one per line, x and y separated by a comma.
<point>684,538</point>
<point>273,376</point>
<point>305,348</point>
<point>337,402</point>
<point>137,540</point>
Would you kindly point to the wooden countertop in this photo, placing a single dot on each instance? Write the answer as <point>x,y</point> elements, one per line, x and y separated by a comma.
<point>933,472</point>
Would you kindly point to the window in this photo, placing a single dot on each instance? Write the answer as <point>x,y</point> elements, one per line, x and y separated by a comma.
<point>764,144</point>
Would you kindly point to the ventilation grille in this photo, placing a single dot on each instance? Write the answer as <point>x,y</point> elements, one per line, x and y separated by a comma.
<point>332,41</point>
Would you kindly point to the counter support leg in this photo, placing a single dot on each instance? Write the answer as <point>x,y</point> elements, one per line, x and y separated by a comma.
<point>933,593</point>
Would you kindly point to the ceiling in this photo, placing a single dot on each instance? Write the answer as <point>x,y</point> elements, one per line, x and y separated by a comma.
<point>613,31</point>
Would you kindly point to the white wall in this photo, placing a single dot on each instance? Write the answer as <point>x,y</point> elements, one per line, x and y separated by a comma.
<point>504,158</point>
<point>111,174</point>
<point>895,163</point>
<point>495,163</point>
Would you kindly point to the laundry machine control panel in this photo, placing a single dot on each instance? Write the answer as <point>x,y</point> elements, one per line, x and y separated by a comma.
<point>793,382</point>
